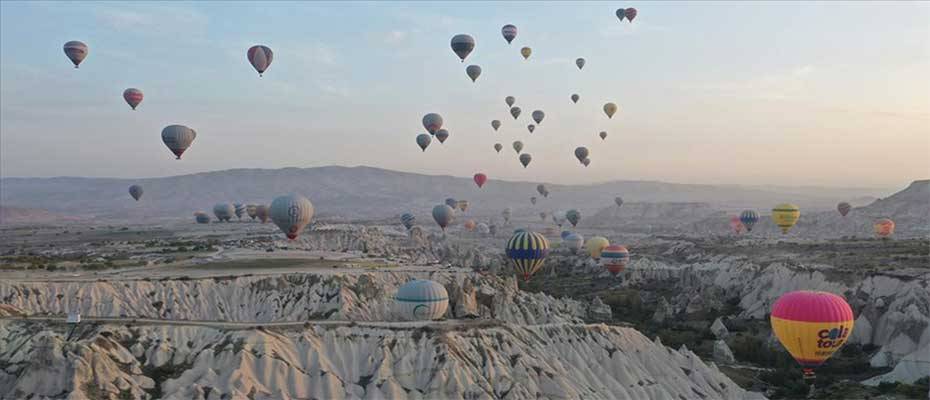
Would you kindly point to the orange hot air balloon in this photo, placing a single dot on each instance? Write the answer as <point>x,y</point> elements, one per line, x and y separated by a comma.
<point>884,228</point>
<point>812,326</point>
<point>480,179</point>
<point>470,225</point>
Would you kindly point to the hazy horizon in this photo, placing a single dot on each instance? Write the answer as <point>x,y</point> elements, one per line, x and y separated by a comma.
<point>709,93</point>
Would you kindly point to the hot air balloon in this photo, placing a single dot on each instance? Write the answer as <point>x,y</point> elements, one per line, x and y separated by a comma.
<point>76,51</point>
<point>133,97</point>
<point>573,216</point>
<point>408,220</point>
<point>495,124</point>
<point>423,140</point>
<point>515,112</point>
<point>432,122</point>
<point>473,72</point>
<point>452,203</point>
<point>843,208</point>
<point>260,58</point>
<point>615,258</point>
<point>498,147</point>
<point>525,52</point>
<point>527,251</point>
<point>538,116</point>
<point>565,234</point>
<point>239,209</point>
<point>509,32</point>
<point>531,128</point>
<point>573,241</point>
<point>462,45</point>
<point>442,135</point>
<point>507,213</point>
<point>136,192</point>
<point>223,211</point>
<point>559,218</point>
<point>517,146</point>
<point>462,205</point>
<point>480,179</point>
<point>579,62</point>
<point>483,228</point>
<point>542,216</point>
<point>749,218</point>
<point>619,201</point>
<point>444,215</point>
<point>178,138</point>
<point>541,188</point>
<point>603,135</point>
<point>621,13</point>
<point>581,153</point>
<point>510,100</point>
<point>596,245</point>
<point>201,217</point>
<point>525,159</point>
<point>630,13</point>
<point>421,300</point>
<point>469,225</point>
<point>250,210</point>
<point>785,216</point>
<point>291,213</point>
<point>575,98</point>
<point>884,228</point>
<point>586,162</point>
<point>261,211</point>
<point>533,200</point>
<point>610,109</point>
<point>812,326</point>
<point>735,225</point>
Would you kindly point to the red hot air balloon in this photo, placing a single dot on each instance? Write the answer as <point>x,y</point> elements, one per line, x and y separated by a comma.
<point>630,13</point>
<point>480,179</point>
<point>260,58</point>
<point>812,326</point>
<point>736,225</point>
<point>133,97</point>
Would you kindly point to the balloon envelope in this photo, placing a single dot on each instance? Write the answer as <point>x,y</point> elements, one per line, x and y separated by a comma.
<point>480,179</point>
<point>469,225</point>
<point>261,211</point>
<point>580,63</point>
<point>223,211</point>
<point>291,213</point>
<point>884,228</point>
<point>531,128</point>
<point>421,300</point>
<point>495,124</point>
<point>785,216</point>
<point>452,203</point>
<point>133,97</point>
<point>525,52</point>
<point>260,58</point>
<point>240,209</point>
<point>442,135</point>
<point>621,13</point>
<point>498,147</point>
<point>473,72</point>
<point>408,220</point>
<point>749,218</point>
<point>76,51</point>
<point>136,192</point>
<point>843,208</point>
<point>533,200</point>
<point>615,258</point>
<point>509,32</point>
<point>603,135</point>
<point>443,215</point>
<point>250,210</point>
<point>575,98</point>
<point>811,325</point>
<point>581,153</point>
<point>178,138</point>
<point>423,140</point>
<point>573,241</point>
<point>573,216</point>
<point>538,116</point>
<point>527,251</point>
<point>586,162</point>
<point>619,201</point>
<point>542,189</point>
<point>517,146</point>
<point>462,45</point>
<point>432,122</point>
<point>735,225</point>
<point>610,109</point>
<point>510,100</point>
<point>515,112</point>
<point>201,217</point>
<point>596,245</point>
<point>630,13</point>
<point>525,159</point>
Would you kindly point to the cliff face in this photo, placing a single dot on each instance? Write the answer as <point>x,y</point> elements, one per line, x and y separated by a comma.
<point>566,361</point>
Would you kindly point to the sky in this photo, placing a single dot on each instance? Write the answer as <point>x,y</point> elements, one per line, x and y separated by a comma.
<point>830,94</point>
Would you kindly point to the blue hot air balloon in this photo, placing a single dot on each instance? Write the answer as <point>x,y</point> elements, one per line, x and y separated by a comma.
<point>527,251</point>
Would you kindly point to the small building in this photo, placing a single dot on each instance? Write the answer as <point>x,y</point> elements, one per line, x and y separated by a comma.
<point>74,318</point>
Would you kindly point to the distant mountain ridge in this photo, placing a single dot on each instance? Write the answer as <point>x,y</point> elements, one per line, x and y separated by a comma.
<point>366,192</point>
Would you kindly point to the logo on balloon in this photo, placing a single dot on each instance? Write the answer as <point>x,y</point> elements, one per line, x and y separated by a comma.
<point>832,338</point>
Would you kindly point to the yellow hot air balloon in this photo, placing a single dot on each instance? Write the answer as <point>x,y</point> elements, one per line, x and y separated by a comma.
<point>785,216</point>
<point>596,245</point>
<point>526,51</point>
<point>812,326</point>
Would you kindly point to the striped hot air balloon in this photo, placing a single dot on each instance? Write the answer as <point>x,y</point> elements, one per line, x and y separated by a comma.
<point>785,216</point>
<point>133,97</point>
<point>749,218</point>
<point>408,220</point>
<point>527,251</point>
<point>421,300</point>
<point>614,258</point>
<point>812,326</point>
<point>260,58</point>
<point>240,210</point>
<point>76,52</point>
<point>178,138</point>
